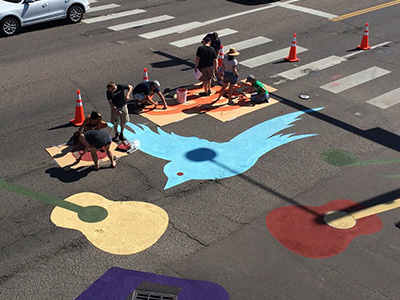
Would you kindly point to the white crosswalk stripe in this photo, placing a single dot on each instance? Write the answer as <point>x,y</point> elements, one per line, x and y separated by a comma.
<point>114,16</point>
<point>269,57</point>
<point>197,39</point>
<point>174,29</point>
<point>103,7</point>
<point>140,23</point>
<point>312,67</point>
<point>353,80</point>
<point>253,42</point>
<point>386,100</point>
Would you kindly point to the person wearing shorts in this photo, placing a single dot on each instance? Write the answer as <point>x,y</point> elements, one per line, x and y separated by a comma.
<point>206,62</point>
<point>229,73</point>
<point>119,110</point>
<point>144,91</point>
<point>93,141</point>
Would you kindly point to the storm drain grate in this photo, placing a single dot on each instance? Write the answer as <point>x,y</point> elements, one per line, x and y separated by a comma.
<point>144,295</point>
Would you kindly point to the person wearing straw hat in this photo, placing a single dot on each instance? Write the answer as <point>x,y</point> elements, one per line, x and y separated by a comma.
<point>228,72</point>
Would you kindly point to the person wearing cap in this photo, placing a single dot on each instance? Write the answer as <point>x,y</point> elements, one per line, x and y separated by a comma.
<point>215,41</point>
<point>144,91</point>
<point>261,94</point>
<point>119,110</point>
<point>228,72</point>
<point>206,62</point>
<point>93,121</point>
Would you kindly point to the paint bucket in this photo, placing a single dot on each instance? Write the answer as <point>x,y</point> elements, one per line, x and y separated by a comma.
<point>181,94</point>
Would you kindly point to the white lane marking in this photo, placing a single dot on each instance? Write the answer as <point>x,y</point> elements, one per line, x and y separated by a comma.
<point>306,10</point>
<point>269,57</point>
<point>169,30</point>
<point>197,39</point>
<point>259,40</point>
<point>312,67</point>
<point>196,24</point>
<point>354,80</point>
<point>103,7</point>
<point>140,23</point>
<point>386,100</point>
<point>113,16</point>
<point>363,51</point>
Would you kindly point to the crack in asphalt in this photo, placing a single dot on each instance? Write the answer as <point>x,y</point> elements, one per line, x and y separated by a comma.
<point>187,234</point>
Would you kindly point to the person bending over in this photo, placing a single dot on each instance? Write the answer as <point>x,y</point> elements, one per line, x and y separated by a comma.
<point>93,141</point>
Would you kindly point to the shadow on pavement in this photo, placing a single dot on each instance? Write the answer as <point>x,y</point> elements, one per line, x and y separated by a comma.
<point>70,175</point>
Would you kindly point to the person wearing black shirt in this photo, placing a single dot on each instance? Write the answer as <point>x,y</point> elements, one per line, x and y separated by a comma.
<point>206,62</point>
<point>117,99</point>
<point>144,91</point>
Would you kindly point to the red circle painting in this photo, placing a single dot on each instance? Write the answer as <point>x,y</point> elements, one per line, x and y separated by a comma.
<point>88,156</point>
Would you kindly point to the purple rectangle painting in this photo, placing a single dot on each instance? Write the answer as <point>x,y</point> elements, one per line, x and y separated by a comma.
<point>119,284</point>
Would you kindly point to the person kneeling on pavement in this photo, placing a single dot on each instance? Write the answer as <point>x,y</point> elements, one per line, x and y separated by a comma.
<point>93,141</point>
<point>261,94</point>
<point>144,91</point>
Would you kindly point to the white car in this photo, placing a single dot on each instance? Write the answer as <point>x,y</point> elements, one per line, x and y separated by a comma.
<point>15,14</point>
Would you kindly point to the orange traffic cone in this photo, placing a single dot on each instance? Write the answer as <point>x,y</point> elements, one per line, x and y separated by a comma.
<point>79,115</point>
<point>221,56</point>
<point>364,42</point>
<point>292,54</point>
<point>145,75</point>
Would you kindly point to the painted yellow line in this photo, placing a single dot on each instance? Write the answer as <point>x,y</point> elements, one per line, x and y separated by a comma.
<point>366,10</point>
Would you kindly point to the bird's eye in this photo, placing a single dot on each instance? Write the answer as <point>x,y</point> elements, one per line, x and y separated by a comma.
<point>179,173</point>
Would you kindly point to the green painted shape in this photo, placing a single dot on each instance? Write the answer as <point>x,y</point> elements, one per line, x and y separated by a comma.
<point>90,214</point>
<point>390,176</point>
<point>339,158</point>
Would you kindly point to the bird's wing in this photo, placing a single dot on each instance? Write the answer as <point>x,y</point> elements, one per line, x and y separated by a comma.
<point>260,137</point>
<point>161,144</point>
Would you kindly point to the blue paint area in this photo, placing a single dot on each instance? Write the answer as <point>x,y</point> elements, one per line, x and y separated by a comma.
<point>191,158</point>
<point>119,284</point>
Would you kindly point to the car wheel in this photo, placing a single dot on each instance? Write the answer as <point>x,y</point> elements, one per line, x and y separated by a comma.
<point>75,14</point>
<point>9,26</point>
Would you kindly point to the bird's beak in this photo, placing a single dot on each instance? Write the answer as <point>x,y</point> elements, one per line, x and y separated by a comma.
<point>173,182</point>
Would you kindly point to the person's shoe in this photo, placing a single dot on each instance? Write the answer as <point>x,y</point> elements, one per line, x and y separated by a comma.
<point>115,139</point>
<point>121,137</point>
<point>209,93</point>
<point>203,94</point>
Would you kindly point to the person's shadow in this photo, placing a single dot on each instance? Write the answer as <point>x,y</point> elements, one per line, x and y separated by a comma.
<point>70,175</point>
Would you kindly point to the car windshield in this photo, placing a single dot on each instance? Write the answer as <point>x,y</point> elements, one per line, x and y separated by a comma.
<point>12,1</point>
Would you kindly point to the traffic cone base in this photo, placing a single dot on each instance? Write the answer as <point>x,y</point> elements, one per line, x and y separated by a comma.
<point>79,115</point>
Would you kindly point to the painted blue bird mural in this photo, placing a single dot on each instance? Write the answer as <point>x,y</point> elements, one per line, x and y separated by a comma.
<point>192,158</point>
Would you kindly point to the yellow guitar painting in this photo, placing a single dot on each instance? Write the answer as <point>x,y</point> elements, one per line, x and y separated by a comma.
<point>117,227</point>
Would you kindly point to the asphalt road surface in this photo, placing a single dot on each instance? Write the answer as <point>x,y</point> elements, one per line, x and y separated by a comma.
<point>239,202</point>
